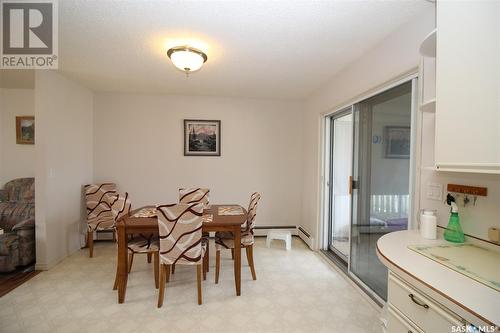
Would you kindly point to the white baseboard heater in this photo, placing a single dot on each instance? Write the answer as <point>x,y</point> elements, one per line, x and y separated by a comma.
<point>305,236</point>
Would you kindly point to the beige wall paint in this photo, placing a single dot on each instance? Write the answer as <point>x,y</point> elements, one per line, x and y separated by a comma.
<point>139,145</point>
<point>16,160</point>
<point>396,55</point>
<point>64,137</point>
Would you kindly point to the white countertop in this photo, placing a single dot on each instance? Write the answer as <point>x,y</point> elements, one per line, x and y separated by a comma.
<point>470,295</point>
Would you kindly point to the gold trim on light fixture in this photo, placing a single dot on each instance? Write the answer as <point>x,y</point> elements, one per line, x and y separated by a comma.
<point>186,69</point>
<point>187,48</point>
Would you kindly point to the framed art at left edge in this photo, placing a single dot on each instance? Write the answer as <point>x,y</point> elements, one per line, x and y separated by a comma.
<point>25,130</point>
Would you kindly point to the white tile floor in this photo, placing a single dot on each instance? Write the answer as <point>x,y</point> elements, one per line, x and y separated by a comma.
<point>295,291</point>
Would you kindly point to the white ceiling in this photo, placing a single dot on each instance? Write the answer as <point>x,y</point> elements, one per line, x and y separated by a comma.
<point>258,49</point>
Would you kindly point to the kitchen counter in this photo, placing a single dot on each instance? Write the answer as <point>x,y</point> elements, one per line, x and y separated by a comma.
<point>474,301</point>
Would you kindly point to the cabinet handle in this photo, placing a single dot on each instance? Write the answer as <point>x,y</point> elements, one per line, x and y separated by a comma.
<point>414,299</point>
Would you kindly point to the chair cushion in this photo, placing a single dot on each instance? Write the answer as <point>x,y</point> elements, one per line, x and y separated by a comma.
<point>141,244</point>
<point>225,240</point>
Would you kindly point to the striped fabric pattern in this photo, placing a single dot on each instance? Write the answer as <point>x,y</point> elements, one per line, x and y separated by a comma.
<point>226,239</point>
<point>252,212</point>
<point>143,244</point>
<point>179,227</point>
<point>120,206</point>
<point>105,206</point>
<point>194,195</point>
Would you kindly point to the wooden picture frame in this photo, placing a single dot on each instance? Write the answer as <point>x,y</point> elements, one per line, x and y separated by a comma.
<point>202,137</point>
<point>25,130</point>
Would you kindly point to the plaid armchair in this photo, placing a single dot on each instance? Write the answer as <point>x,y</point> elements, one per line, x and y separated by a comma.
<point>17,219</point>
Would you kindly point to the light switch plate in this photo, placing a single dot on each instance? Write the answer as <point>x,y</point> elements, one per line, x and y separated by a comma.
<point>435,191</point>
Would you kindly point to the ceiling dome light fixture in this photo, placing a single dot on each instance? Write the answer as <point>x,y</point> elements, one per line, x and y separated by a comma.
<point>186,58</point>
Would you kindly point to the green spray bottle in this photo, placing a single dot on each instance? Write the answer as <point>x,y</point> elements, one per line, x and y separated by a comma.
<point>453,232</point>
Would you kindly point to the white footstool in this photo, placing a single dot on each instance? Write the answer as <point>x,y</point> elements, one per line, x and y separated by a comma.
<point>283,235</point>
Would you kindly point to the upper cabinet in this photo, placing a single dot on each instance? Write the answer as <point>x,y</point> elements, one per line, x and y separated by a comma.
<point>467,95</point>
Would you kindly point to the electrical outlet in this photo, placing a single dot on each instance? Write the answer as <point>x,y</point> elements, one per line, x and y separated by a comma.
<point>435,191</point>
<point>494,235</point>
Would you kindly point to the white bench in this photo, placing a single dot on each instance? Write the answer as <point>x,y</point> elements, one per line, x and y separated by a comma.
<point>283,235</point>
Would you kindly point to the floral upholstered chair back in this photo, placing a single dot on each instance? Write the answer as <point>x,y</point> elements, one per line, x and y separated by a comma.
<point>252,212</point>
<point>19,190</point>
<point>194,195</point>
<point>179,227</point>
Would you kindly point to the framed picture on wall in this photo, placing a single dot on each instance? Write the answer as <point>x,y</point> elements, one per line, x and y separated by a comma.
<point>202,137</point>
<point>25,130</point>
<point>397,141</point>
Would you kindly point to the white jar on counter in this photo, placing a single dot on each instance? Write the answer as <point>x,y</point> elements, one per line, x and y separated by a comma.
<point>428,224</point>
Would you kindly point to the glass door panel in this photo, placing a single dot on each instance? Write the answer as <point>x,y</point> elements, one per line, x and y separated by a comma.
<point>341,172</point>
<point>382,174</point>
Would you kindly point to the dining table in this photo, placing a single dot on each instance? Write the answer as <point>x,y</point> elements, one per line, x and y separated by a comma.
<point>216,218</point>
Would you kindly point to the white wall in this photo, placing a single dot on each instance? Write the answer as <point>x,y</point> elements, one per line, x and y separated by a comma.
<point>64,161</point>
<point>16,160</point>
<point>394,56</point>
<point>475,219</point>
<point>139,145</point>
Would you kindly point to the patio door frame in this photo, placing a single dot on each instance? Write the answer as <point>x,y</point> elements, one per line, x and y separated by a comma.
<point>330,123</point>
<point>325,176</point>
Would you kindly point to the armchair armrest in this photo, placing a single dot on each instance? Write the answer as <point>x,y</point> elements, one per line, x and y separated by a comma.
<point>25,225</point>
<point>3,195</point>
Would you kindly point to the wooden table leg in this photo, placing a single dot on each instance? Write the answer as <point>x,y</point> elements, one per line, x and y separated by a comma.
<point>122,261</point>
<point>237,259</point>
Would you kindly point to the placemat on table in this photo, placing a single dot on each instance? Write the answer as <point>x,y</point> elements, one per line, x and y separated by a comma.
<point>208,218</point>
<point>230,210</point>
<point>146,212</point>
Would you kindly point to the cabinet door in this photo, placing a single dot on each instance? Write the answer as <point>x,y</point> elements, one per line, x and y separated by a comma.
<point>397,323</point>
<point>468,86</point>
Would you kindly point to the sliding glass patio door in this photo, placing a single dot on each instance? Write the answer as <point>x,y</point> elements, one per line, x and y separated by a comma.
<point>381,200</point>
<point>369,150</point>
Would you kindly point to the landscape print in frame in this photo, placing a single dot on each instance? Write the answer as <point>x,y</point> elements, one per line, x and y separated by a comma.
<point>202,137</point>
<point>25,130</point>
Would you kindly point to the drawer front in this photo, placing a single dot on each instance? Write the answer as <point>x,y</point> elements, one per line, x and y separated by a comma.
<point>396,323</point>
<point>424,313</point>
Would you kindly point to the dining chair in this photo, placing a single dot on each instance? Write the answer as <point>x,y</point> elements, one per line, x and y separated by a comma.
<point>225,239</point>
<point>179,228</point>
<point>104,207</point>
<point>194,195</point>
<point>197,195</point>
<point>143,244</point>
